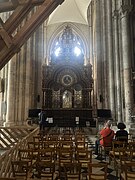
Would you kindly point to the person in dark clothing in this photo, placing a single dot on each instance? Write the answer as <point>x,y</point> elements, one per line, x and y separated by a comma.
<point>42,121</point>
<point>121,134</point>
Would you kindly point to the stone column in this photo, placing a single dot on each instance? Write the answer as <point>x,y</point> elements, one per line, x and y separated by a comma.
<point>11,94</point>
<point>4,94</point>
<point>40,57</point>
<point>126,59</point>
<point>94,62</point>
<point>21,85</point>
<point>28,82</point>
<point>45,47</point>
<point>90,59</point>
<point>97,61</point>
<point>90,33</point>
<point>110,57</point>
<point>104,56</point>
<point>117,68</point>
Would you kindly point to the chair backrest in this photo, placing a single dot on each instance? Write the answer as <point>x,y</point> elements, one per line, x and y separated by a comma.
<point>101,168</point>
<point>131,149</point>
<point>122,138</point>
<point>66,137</point>
<point>72,171</point>
<point>65,156</point>
<point>49,144</point>
<point>47,154</point>
<point>81,145</point>
<point>128,171</point>
<point>84,157</point>
<point>26,155</point>
<point>132,145</point>
<point>20,169</point>
<point>66,145</point>
<point>46,170</point>
<point>80,138</point>
<point>53,137</point>
<point>39,138</point>
<point>34,145</point>
<point>118,144</point>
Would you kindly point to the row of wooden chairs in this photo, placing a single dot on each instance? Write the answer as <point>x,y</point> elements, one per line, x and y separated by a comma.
<point>45,156</point>
<point>122,153</point>
<point>69,171</point>
<point>58,145</point>
<point>58,137</point>
<point>39,159</point>
<point>72,171</point>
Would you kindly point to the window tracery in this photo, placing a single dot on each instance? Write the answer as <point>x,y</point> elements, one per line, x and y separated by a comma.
<point>68,47</point>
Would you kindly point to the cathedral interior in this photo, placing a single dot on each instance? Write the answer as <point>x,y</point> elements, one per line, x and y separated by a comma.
<point>77,64</point>
<point>73,59</point>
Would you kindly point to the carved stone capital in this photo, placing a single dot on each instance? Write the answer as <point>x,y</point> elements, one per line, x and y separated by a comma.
<point>115,14</point>
<point>125,10</point>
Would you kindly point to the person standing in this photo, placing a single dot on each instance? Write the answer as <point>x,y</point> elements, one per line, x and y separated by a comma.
<point>42,121</point>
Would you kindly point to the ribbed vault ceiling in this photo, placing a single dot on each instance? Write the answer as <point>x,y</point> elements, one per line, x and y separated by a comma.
<point>70,11</point>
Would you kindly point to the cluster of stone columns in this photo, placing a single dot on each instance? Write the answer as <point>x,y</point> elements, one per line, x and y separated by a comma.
<point>23,81</point>
<point>112,57</point>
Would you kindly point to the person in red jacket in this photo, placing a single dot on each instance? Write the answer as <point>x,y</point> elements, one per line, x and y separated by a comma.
<point>106,136</point>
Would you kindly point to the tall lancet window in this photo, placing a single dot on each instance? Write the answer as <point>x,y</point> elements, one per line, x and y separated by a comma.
<point>68,47</point>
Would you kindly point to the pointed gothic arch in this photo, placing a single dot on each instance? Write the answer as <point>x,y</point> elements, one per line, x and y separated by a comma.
<point>76,31</point>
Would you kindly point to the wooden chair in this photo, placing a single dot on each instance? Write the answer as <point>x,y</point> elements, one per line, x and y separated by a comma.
<point>49,144</point>
<point>39,138</point>
<point>84,157</point>
<point>53,137</point>
<point>105,150</point>
<point>95,173</point>
<point>27,155</point>
<point>120,158</point>
<point>65,156</point>
<point>81,145</point>
<point>128,172</point>
<point>34,145</point>
<point>72,171</point>
<point>116,146</point>
<point>131,150</point>
<point>66,144</point>
<point>67,137</point>
<point>20,169</point>
<point>45,170</point>
<point>80,138</point>
<point>46,155</point>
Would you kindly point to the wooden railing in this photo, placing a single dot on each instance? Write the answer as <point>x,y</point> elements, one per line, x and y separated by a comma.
<point>12,153</point>
<point>9,136</point>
